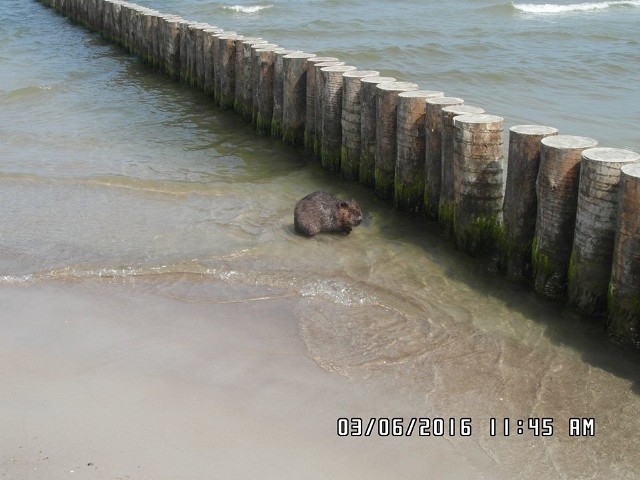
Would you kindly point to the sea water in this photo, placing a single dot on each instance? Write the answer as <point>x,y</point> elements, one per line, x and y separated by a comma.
<point>117,182</point>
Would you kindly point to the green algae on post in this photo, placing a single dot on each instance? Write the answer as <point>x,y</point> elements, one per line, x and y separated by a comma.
<point>264,59</point>
<point>278,90</point>
<point>446,201</point>
<point>624,301</point>
<point>331,126</point>
<point>313,135</point>
<point>386,133</point>
<point>368,94</point>
<point>411,143</point>
<point>592,254</point>
<point>310,120</point>
<point>294,101</point>
<point>433,152</point>
<point>226,73</point>
<point>244,81</point>
<point>520,201</point>
<point>351,121</point>
<point>478,182</point>
<point>557,192</point>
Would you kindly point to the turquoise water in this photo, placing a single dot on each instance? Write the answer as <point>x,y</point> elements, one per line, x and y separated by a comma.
<point>108,170</point>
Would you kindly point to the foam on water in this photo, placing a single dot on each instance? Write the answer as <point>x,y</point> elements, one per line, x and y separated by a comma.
<point>247,9</point>
<point>551,8</point>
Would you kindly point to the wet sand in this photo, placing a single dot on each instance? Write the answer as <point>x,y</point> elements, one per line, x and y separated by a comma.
<point>187,378</point>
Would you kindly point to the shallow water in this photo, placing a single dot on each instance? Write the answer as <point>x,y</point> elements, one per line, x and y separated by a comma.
<point>114,179</point>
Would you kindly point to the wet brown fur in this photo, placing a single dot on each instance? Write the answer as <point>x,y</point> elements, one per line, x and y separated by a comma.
<point>322,212</point>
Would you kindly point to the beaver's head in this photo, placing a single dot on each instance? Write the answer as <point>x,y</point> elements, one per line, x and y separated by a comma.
<point>350,213</point>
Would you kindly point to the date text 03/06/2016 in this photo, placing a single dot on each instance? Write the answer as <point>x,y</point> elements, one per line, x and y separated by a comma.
<point>463,427</point>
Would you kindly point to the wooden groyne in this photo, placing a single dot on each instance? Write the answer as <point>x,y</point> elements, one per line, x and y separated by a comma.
<point>565,217</point>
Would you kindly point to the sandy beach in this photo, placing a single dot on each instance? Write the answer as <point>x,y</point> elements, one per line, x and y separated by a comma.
<point>97,385</point>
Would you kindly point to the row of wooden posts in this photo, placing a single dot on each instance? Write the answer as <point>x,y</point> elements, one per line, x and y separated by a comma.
<point>565,217</point>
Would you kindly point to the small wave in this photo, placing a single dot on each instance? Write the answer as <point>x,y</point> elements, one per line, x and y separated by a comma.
<point>83,272</point>
<point>30,92</point>
<point>551,8</point>
<point>337,291</point>
<point>245,9</point>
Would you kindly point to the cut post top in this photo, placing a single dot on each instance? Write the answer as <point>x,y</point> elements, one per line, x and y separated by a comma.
<point>337,68</point>
<point>445,101</point>
<point>426,94</point>
<point>223,34</point>
<point>301,55</point>
<point>533,130</point>
<point>610,155</point>
<point>568,142</point>
<point>362,73</point>
<point>323,59</point>
<point>397,86</point>
<point>253,40</point>
<point>284,52</point>
<point>378,79</point>
<point>268,47</point>
<point>632,170</point>
<point>462,109</point>
<point>478,118</point>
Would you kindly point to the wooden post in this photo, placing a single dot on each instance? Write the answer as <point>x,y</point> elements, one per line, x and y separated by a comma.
<point>624,289</point>
<point>111,22</point>
<point>294,96</point>
<point>557,191</point>
<point>199,68</point>
<point>140,43</point>
<point>278,91</point>
<point>478,182</point>
<point>194,46</point>
<point>217,68</point>
<point>158,60</point>
<point>351,124</point>
<point>145,36</point>
<point>368,119</point>
<point>331,124</point>
<point>135,31</point>
<point>244,87</point>
<point>142,38</point>
<point>592,255</point>
<point>170,41</point>
<point>433,152</point>
<point>386,135</point>
<point>263,91</point>
<point>520,201</point>
<point>209,59</point>
<point>185,51</point>
<point>160,39</point>
<point>125,26</point>
<point>410,161</point>
<point>89,13</point>
<point>447,199</point>
<point>254,75</point>
<point>225,68</point>
<point>310,120</point>
<point>152,30</point>
<point>315,141</point>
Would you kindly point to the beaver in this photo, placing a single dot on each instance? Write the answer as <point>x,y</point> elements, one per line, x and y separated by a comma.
<point>322,212</point>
